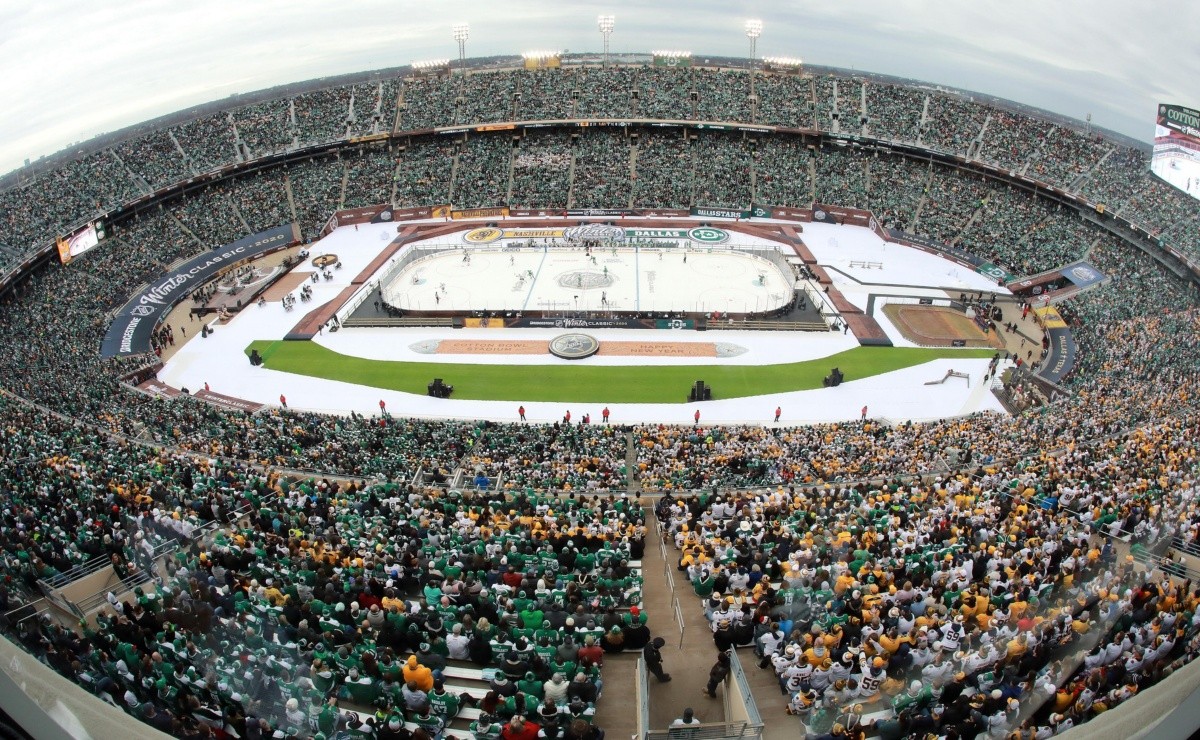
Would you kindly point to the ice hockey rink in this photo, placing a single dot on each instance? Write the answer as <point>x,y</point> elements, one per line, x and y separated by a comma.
<point>219,360</point>
<point>568,279</point>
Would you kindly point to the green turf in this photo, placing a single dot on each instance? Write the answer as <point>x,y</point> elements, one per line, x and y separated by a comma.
<point>581,382</point>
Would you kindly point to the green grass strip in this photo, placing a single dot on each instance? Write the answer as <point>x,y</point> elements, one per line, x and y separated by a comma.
<point>581,382</point>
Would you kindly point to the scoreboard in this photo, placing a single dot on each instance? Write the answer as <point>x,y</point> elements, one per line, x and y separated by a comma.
<point>1176,156</point>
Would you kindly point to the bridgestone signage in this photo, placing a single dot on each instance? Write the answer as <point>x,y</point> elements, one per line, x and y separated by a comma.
<point>131,330</point>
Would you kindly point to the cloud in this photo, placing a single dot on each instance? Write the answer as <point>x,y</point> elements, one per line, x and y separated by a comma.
<point>75,70</point>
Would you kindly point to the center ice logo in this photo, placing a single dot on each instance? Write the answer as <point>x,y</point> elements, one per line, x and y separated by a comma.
<point>708,235</point>
<point>596,232</point>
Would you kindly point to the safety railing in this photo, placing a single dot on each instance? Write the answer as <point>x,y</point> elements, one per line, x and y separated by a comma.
<point>707,731</point>
<point>738,675</point>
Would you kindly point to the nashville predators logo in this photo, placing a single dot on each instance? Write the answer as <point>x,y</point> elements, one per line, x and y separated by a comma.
<point>485,235</point>
<point>325,260</point>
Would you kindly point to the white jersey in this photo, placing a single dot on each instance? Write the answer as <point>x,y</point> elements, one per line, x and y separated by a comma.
<point>871,682</point>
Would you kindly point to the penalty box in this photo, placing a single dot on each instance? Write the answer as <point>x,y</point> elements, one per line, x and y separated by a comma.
<point>592,268</point>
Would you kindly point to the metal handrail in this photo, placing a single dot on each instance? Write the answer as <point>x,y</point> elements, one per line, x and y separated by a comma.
<point>743,684</point>
<point>1191,548</point>
<point>707,731</point>
<point>124,586</point>
<point>79,571</point>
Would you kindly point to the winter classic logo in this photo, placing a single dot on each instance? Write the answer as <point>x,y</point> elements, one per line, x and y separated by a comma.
<point>325,260</point>
<point>594,232</point>
<point>1085,274</point>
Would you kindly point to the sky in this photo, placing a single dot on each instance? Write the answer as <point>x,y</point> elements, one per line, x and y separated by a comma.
<point>75,69</point>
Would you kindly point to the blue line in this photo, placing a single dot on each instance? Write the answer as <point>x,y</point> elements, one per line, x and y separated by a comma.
<point>525,305</point>
<point>637,279</point>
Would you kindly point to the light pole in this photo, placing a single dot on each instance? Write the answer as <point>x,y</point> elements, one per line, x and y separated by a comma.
<point>606,23</point>
<point>753,31</point>
<point>462,32</point>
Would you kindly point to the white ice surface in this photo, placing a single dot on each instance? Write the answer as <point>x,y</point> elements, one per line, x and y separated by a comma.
<point>219,359</point>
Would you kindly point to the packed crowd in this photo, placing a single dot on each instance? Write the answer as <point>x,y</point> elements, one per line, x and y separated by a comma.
<point>369,177</point>
<point>1140,481</point>
<point>1102,170</point>
<point>562,456</point>
<point>663,173</point>
<point>316,191</point>
<point>602,167</point>
<point>973,604</point>
<point>284,597</point>
<point>723,170</point>
<point>542,171</point>
<point>481,173</point>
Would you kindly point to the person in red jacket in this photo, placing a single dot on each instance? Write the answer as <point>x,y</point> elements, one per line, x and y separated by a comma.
<point>518,728</point>
<point>696,416</point>
<point>591,653</point>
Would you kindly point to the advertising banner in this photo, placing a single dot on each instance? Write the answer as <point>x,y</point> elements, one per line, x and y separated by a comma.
<point>370,214</point>
<point>668,212</point>
<point>551,322</point>
<point>472,322</point>
<point>158,388</point>
<point>1050,317</point>
<point>792,214</point>
<point>672,60</point>
<point>404,214</point>
<point>599,232</point>
<point>841,215</point>
<point>704,212</point>
<point>599,212</point>
<point>228,403</point>
<point>1061,358</point>
<point>1082,274</point>
<point>131,330</point>
<point>674,324</point>
<point>499,212</point>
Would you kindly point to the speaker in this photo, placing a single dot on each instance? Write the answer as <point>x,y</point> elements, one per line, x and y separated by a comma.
<point>700,391</point>
<point>834,379</point>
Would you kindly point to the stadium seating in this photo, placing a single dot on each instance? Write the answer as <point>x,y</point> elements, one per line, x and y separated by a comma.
<point>260,562</point>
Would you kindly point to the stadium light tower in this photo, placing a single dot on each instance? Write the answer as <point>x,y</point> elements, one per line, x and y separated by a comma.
<point>606,23</point>
<point>753,31</point>
<point>462,32</point>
